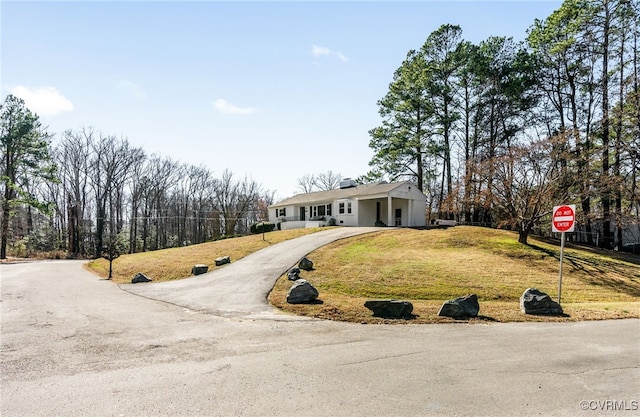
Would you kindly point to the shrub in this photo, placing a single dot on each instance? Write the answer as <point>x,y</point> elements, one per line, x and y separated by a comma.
<point>262,227</point>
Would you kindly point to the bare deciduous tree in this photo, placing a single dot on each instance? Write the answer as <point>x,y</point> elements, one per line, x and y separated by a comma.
<point>327,180</point>
<point>112,159</point>
<point>323,181</point>
<point>72,156</point>
<point>307,183</point>
<point>527,180</point>
<point>234,199</point>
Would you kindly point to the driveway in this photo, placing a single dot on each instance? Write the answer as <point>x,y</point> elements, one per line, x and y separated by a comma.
<point>73,345</point>
<point>240,289</point>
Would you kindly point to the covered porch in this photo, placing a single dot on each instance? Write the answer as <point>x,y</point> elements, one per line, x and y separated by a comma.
<point>386,211</point>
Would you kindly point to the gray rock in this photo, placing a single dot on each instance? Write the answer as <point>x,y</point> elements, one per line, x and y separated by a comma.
<point>140,277</point>
<point>461,307</point>
<point>294,274</point>
<point>199,269</point>
<point>302,292</point>
<point>223,260</point>
<point>536,302</point>
<point>393,309</point>
<point>305,264</point>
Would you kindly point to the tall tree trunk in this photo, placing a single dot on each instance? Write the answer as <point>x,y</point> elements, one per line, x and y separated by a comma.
<point>6,212</point>
<point>9,196</point>
<point>619,181</point>
<point>467,156</point>
<point>133,225</point>
<point>607,241</point>
<point>100,221</point>
<point>419,161</point>
<point>73,227</point>
<point>145,228</point>
<point>635,155</point>
<point>447,161</point>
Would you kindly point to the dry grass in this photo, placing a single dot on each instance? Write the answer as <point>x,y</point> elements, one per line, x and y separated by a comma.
<point>176,263</point>
<point>428,267</point>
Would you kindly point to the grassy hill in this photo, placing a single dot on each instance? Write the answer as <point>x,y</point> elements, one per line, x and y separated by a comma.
<point>428,267</point>
<point>176,263</point>
<point>425,267</point>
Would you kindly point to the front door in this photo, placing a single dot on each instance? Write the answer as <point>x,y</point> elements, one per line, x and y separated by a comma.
<point>302,214</point>
<point>398,217</point>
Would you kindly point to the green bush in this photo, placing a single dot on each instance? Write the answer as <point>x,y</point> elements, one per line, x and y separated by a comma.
<point>262,227</point>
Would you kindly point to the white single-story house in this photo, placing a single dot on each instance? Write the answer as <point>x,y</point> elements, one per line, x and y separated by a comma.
<point>379,204</point>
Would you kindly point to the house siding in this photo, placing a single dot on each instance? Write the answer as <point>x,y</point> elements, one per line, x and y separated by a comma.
<point>346,218</point>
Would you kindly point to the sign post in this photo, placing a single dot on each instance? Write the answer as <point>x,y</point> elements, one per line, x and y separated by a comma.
<point>564,220</point>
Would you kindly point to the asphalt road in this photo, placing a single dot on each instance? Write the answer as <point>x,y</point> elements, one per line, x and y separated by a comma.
<point>75,345</point>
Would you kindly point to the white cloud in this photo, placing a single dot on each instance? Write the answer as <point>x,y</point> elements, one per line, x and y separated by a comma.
<point>320,51</point>
<point>44,101</point>
<point>223,106</point>
<point>132,88</point>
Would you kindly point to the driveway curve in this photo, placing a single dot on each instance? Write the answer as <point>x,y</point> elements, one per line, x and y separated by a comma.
<point>240,289</point>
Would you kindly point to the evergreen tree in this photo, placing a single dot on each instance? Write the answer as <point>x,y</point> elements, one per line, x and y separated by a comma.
<point>25,154</point>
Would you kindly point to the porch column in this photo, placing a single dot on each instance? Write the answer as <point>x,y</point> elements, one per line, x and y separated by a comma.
<point>410,214</point>
<point>390,221</point>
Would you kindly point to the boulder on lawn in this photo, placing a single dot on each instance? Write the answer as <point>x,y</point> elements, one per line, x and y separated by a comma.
<point>302,292</point>
<point>199,269</point>
<point>305,264</point>
<point>294,274</point>
<point>461,307</point>
<point>140,277</point>
<point>223,260</point>
<point>536,302</point>
<point>391,309</point>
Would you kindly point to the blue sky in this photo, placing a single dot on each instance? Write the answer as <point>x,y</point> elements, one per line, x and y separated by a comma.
<point>271,90</point>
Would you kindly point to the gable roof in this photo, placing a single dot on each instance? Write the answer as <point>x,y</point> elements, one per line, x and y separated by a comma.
<point>331,195</point>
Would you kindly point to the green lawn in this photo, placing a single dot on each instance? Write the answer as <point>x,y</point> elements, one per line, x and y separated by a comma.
<point>428,267</point>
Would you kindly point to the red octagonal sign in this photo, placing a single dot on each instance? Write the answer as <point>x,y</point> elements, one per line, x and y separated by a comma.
<point>564,218</point>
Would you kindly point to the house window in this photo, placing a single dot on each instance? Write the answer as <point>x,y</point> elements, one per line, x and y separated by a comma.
<point>281,212</point>
<point>342,206</point>
<point>321,210</point>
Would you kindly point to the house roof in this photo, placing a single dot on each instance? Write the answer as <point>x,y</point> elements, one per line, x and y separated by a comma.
<point>331,195</point>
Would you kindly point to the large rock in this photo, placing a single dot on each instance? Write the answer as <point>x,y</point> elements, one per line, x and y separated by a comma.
<point>305,264</point>
<point>392,309</point>
<point>302,292</point>
<point>294,274</point>
<point>223,260</point>
<point>461,307</point>
<point>140,277</point>
<point>534,301</point>
<point>199,269</point>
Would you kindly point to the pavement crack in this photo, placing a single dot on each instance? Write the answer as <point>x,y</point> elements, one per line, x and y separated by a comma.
<point>382,358</point>
<point>582,372</point>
